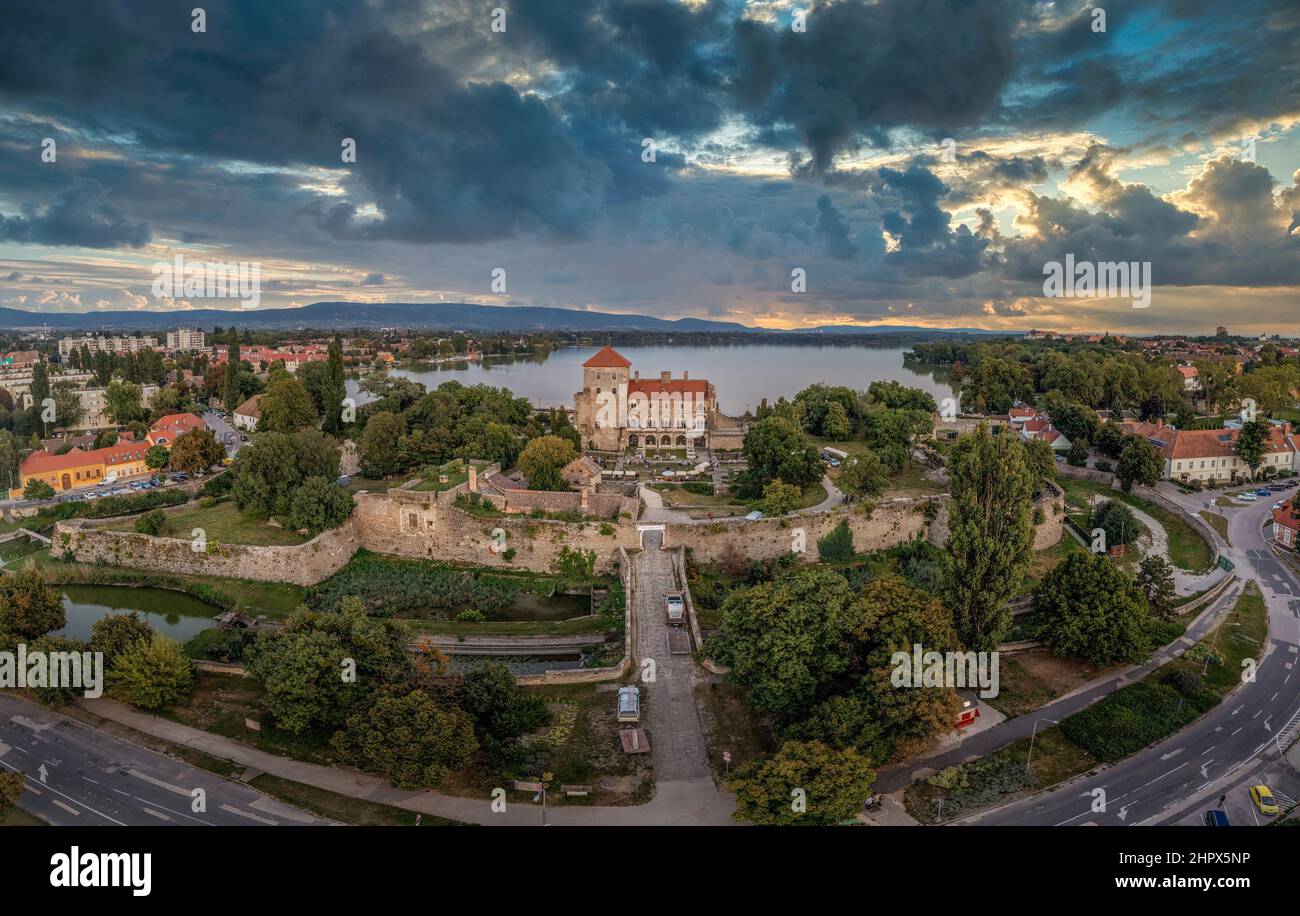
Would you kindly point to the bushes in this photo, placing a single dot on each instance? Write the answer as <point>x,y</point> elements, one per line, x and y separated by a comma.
<point>317,505</point>
<point>152,674</point>
<point>838,545</point>
<point>698,487</point>
<point>1132,718</point>
<point>389,586</point>
<point>153,522</point>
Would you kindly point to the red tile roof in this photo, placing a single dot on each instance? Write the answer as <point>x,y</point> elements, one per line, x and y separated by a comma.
<point>1285,515</point>
<point>607,358</point>
<point>696,386</point>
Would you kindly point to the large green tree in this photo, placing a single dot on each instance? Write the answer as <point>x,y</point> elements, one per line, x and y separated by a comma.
<point>1087,607</point>
<point>1252,444</point>
<point>285,407</point>
<point>195,450</point>
<point>409,737</point>
<point>1139,463</point>
<point>542,460</point>
<point>334,389</point>
<point>268,471</point>
<point>231,395</point>
<point>804,782</point>
<point>151,674</point>
<point>29,607</point>
<point>775,448</point>
<point>991,533</point>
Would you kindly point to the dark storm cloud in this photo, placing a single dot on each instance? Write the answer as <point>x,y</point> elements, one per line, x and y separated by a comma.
<point>911,212</point>
<point>860,69</point>
<point>834,230</point>
<point>81,215</point>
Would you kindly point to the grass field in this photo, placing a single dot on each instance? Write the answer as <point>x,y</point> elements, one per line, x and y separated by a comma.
<point>1219,524</point>
<point>1187,550</point>
<point>222,523</point>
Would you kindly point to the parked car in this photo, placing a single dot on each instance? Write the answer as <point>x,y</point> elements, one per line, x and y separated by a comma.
<point>676,608</point>
<point>629,704</point>
<point>1262,492</point>
<point>753,516</point>
<point>1277,505</point>
<point>1247,497</point>
<point>1277,487</point>
<point>1263,799</point>
<point>1217,818</point>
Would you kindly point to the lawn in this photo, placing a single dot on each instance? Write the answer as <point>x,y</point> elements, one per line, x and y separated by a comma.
<point>222,524</point>
<point>1218,523</point>
<point>1044,560</point>
<point>1031,680</point>
<point>342,808</point>
<point>1187,549</point>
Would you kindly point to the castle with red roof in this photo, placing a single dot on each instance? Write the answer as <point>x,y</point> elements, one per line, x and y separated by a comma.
<point>617,409</point>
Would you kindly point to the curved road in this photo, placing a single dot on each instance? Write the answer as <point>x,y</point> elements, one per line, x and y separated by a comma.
<point>1233,746</point>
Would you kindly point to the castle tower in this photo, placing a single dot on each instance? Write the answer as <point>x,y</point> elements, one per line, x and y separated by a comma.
<point>602,403</point>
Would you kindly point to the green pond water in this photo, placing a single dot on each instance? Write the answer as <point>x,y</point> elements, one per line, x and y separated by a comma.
<point>174,614</point>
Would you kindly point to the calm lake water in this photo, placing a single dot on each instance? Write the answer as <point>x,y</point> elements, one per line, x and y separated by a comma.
<point>743,374</point>
<point>174,614</point>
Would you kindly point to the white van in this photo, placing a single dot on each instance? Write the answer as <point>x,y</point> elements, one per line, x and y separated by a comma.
<point>629,704</point>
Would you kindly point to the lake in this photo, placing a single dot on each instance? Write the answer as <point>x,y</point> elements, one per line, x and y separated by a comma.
<point>743,374</point>
<point>173,614</point>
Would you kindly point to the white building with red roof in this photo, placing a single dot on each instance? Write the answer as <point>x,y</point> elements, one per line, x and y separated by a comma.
<point>166,429</point>
<point>617,409</point>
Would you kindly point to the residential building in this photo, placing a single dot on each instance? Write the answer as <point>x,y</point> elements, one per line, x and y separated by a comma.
<point>167,428</point>
<point>21,359</point>
<point>246,414</point>
<point>185,339</point>
<point>1211,454</point>
<point>1286,525</point>
<point>94,406</point>
<point>77,468</point>
<point>106,344</point>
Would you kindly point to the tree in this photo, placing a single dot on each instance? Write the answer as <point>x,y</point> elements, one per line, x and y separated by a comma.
<point>12,786</point>
<point>501,709</point>
<point>379,450</point>
<point>409,738</point>
<point>196,450</point>
<point>775,448</point>
<point>157,456</point>
<point>29,608</point>
<point>779,497</point>
<point>994,385</point>
<point>320,666</point>
<point>334,389</point>
<point>542,460</point>
<point>39,389</point>
<point>837,546</point>
<point>8,460</point>
<point>1139,463</point>
<point>153,522</point>
<point>105,437</point>
<point>1110,440</point>
<point>113,634</point>
<point>990,534</point>
<point>862,476</point>
<point>783,641</point>
<point>1042,458</point>
<point>1252,443</point>
<point>37,489</point>
<point>122,401</point>
<point>1087,607</point>
<point>232,395</point>
<point>53,693</point>
<point>317,505</point>
<point>151,674</point>
<point>67,405</point>
<point>285,407</point>
<point>1155,580</point>
<point>268,471</point>
<point>837,425</point>
<point>1116,520</point>
<point>804,782</point>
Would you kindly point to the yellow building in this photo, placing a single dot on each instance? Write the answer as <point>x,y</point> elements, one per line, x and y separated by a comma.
<point>77,468</point>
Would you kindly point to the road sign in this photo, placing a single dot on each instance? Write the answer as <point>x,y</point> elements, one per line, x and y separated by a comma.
<point>521,786</point>
<point>726,756</point>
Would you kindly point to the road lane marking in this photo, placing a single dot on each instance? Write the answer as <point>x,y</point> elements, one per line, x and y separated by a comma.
<point>1208,749</point>
<point>30,788</point>
<point>159,783</point>
<point>157,814</point>
<point>67,808</point>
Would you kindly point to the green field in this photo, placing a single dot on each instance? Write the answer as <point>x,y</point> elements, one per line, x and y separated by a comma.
<point>223,524</point>
<point>1187,549</point>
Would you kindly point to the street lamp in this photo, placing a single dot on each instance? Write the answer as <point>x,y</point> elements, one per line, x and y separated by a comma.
<point>1033,735</point>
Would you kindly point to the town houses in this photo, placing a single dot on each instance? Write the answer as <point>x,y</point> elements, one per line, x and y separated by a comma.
<point>1209,455</point>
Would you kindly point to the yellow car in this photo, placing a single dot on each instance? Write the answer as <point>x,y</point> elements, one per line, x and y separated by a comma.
<point>1263,799</point>
<point>227,461</point>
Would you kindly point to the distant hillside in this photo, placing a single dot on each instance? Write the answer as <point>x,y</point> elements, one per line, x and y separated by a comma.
<point>442,315</point>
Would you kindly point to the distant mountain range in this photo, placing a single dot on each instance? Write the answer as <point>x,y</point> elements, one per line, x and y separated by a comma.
<point>443,315</point>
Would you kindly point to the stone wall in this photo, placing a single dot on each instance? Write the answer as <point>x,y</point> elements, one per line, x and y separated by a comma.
<point>1049,531</point>
<point>301,564</point>
<point>890,523</point>
<point>409,524</point>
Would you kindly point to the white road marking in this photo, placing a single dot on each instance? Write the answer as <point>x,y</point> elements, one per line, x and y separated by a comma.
<point>157,814</point>
<point>67,808</point>
<point>254,817</point>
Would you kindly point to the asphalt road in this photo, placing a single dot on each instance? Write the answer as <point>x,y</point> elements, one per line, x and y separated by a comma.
<point>1236,744</point>
<point>221,428</point>
<point>95,779</point>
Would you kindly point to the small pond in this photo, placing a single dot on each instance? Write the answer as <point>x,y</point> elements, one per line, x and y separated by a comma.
<point>174,614</point>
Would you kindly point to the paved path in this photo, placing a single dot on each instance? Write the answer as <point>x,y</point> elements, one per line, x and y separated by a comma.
<point>95,779</point>
<point>1185,583</point>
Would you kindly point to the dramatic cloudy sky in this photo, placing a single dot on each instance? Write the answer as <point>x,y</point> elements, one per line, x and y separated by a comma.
<point>1173,136</point>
